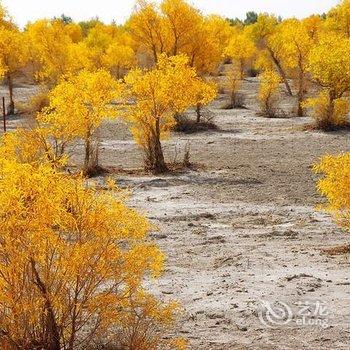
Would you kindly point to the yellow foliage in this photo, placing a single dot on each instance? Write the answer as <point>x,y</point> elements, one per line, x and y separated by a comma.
<point>35,103</point>
<point>335,186</point>
<point>77,256</point>
<point>147,29</point>
<point>13,53</point>
<point>338,19</point>
<point>6,21</point>
<point>328,112</point>
<point>181,22</point>
<point>263,61</point>
<point>98,40</point>
<point>313,25</point>
<point>267,34</point>
<point>74,31</point>
<point>175,27</point>
<point>329,64</point>
<point>264,27</point>
<point>48,42</point>
<point>13,57</point>
<point>77,108</point>
<point>205,91</point>
<point>31,146</point>
<point>118,58</point>
<point>296,43</point>
<point>269,84</point>
<point>233,82</point>
<point>159,94</point>
<point>241,50</point>
<point>220,31</point>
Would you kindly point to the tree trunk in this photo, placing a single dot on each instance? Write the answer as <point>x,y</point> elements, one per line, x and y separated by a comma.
<point>301,95</point>
<point>281,72</point>
<point>198,112</point>
<point>233,99</point>
<point>328,123</point>
<point>156,157</point>
<point>52,336</point>
<point>159,165</point>
<point>300,112</point>
<point>11,107</point>
<point>155,56</point>
<point>87,154</point>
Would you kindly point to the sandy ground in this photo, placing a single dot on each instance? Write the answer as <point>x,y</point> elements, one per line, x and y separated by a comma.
<point>243,230</point>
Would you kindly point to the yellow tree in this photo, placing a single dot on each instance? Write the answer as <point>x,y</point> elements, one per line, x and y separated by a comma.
<point>48,44</point>
<point>99,39</point>
<point>72,265</point>
<point>335,186</point>
<point>6,21</point>
<point>13,57</point>
<point>314,25</point>
<point>220,31</point>
<point>338,19</point>
<point>204,91</point>
<point>266,34</point>
<point>329,65</point>
<point>203,49</point>
<point>269,84</point>
<point>118,59</point>
<point>240,50</point>
<point>77,108</point>
<point>296,43</point>
<point>159,94</point>
<point>233,83</point>
<point>175,27</point>
<point>34,146</point>
<point>147,29</point>
<point>181,22</point>
<point>74,31</point>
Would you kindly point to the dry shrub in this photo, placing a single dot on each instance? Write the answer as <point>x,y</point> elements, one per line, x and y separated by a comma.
<point>187,125</point>
<point>237,101</point>
<point>186,160</point>
<point>340,250</point>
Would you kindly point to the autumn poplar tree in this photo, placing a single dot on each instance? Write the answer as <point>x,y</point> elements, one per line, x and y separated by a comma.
<point>329,65</point>
<point>73,261</point>
<point>338,19</point>
<point>118,59</point>
<point>232,84</point>
<point>13,57</point>
<point>205,92</point>
<point>240,50</point>
<point>268,93</point>
<point>159,94</point>
<point>48,44</point>
<point>147,29</point>
<point>296,45</point>
<point>334,185</point>
<point>77,108</point>
<point>265,32</point>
